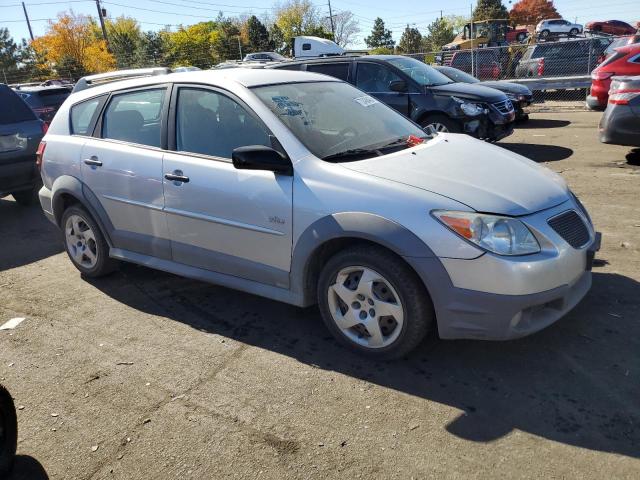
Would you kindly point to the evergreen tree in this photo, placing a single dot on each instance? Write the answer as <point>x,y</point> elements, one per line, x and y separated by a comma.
<point>277,42</point>
<point>8,53</point>
<point>258,35</point>
<point>490,9</point>
<point>411,40</point>
<point>380,37</point>
<point>440,33</point>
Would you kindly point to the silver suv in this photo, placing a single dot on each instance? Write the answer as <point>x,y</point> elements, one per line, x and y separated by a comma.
<point>557,26</point>
<point>301,188</point>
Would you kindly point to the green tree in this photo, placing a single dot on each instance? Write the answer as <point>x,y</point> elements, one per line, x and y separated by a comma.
<point>226,40</point>
<point>380,37</point>
<point>153,49</point>
<point>410,41</point>
<point>299,17</point>
<point>277,42</point>
<point>258,35</point>
<point>440,32</point>
<point>124,40</point>
<point>8,53</point>
<point>489,9</point>
<point>193,45</point>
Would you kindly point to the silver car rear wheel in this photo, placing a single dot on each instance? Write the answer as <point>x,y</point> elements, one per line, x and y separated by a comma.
<point>365,307</point>
<point>81,241</point>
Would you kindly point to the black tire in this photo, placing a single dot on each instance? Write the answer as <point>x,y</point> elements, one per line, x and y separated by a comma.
<point>521,36</point>
<point>545,33</point>
<point>8,432</point>
<point>104,265</point>
<point>573,32</point>
<point>451,125</point>
<point>27,198</point>
<point>418,308</point>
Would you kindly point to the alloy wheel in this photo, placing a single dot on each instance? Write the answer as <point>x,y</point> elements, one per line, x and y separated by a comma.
<point>365,307</point>
<point>81,241</point>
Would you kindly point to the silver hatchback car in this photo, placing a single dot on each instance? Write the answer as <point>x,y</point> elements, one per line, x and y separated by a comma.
<point>301,188</point>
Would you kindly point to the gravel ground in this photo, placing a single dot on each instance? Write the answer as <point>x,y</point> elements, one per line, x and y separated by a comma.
<point>147,375</point>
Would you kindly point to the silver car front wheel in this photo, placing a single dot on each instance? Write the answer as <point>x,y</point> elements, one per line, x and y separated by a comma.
<point>365,307</point>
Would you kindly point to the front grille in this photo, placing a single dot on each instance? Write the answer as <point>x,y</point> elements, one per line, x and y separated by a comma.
<point>570,226</point>
<point>504,107</point>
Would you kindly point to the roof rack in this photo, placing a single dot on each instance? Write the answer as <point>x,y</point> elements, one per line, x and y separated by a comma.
<point>101,78</point>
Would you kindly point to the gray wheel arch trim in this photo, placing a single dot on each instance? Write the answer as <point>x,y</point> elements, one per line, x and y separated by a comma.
<point>76,188</point>
<point>360,225</point>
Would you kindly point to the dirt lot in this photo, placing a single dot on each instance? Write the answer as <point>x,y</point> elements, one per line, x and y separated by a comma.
<point>147,375</point>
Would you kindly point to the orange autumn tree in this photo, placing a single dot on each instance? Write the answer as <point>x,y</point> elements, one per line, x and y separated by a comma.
<point>530,12</point>
<point>72,47</point>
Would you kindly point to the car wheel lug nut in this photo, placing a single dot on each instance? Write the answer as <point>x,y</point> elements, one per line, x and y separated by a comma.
<point>363,314</point>
<point>356,305</point>
<point>370,301</point>
<point>360,297</point>
<point>372,312</point>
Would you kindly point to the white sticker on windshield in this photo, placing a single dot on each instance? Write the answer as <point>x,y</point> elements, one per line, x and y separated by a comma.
<point>366,101</point>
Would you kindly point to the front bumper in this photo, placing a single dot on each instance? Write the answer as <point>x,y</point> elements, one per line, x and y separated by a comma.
<point>501,298</point>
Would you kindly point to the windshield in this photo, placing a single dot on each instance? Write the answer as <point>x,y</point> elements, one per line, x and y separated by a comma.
<point>420,72</point>
<point>336,121</point>
<point>458,75</point>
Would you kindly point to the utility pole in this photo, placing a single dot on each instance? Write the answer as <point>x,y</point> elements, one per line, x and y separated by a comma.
<point>101,17</point>
<point>333,29</point>
<point>26,15</point>
<point>473,70</point>
<point>240,47</point>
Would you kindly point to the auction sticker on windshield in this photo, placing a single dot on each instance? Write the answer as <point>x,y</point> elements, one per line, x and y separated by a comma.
<point>366,100</point>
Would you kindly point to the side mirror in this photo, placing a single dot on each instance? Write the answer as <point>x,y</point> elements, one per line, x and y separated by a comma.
<point>399,86</point>
<point>260,157</point>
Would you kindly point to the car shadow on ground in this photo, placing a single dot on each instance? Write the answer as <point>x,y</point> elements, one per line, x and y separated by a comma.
<point>539,153</point>
<point>27,468</point>
<point>545,123</point>
<point>26,235</point>
<point>575,382</point>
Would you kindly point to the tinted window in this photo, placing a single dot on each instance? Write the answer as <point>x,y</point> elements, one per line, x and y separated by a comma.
<point>13,109</point>
<point>54,97</point>
<point>306,46</point>
<point>375,78</point>
<point>82,116</point>
<point>337,70</point>
<point>458,75</point>
<point>420,72</point>
<point>210,123</point>
<point>135,117</point>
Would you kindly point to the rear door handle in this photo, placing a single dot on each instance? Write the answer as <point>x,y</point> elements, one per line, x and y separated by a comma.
<point>177,177</point>
<point>93,161</point>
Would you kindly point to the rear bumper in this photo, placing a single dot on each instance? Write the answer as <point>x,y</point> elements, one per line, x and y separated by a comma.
<point>47,204</point>
<point>593,103</point>
<point>20,175</point>
<point>620,126</point>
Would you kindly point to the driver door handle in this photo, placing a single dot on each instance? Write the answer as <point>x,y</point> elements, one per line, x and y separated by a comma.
<point>93,161</point>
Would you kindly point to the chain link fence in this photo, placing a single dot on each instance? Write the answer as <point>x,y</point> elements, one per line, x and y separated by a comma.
<point>558,72</point>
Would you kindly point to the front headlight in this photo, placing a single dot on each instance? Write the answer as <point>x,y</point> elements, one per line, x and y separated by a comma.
<point>500,235</point>
<point>470,109</point>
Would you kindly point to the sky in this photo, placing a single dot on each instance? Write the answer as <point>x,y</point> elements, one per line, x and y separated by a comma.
<point>155,14</point>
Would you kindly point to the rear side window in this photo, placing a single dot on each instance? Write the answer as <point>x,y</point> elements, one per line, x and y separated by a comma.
<point>82,116</point>
<point>13,110</point>
<point>375,78</point>
<point>338,70</point>
<point>135,117</point>
<point>53,98</point>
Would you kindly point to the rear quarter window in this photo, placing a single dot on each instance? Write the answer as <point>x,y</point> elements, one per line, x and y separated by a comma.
<point>83,116</point>
<point>13,109</point>
<point>338,70</point>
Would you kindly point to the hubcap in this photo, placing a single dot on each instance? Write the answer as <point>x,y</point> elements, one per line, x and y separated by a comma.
<point>81,241</point>
<point>438,127</point>
<point>365,307</point>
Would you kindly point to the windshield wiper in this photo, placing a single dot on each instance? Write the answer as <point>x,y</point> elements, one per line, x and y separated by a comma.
<point>354,152</point>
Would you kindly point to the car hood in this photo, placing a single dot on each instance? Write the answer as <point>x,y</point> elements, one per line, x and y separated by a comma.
<point>508,87</point>
<point>482,176</point>
<point>469,91</point>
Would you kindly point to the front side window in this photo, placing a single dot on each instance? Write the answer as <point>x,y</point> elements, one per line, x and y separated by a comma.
<point>420,72</point>
<point>82,116</point>
<point>210,123</point>
<point>375,78</point>
<point>135,117</point>
<point>336,121</point>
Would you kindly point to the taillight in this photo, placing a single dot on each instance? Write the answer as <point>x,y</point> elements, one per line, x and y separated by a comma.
<point>540,67</point>
<point>596,75</point>
<point>40,154</point>
<point>623,97</point>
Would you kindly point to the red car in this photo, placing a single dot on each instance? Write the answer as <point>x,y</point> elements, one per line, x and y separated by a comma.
<point>612,27</point>
<point>624,61</point>
<point>517,34</point>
